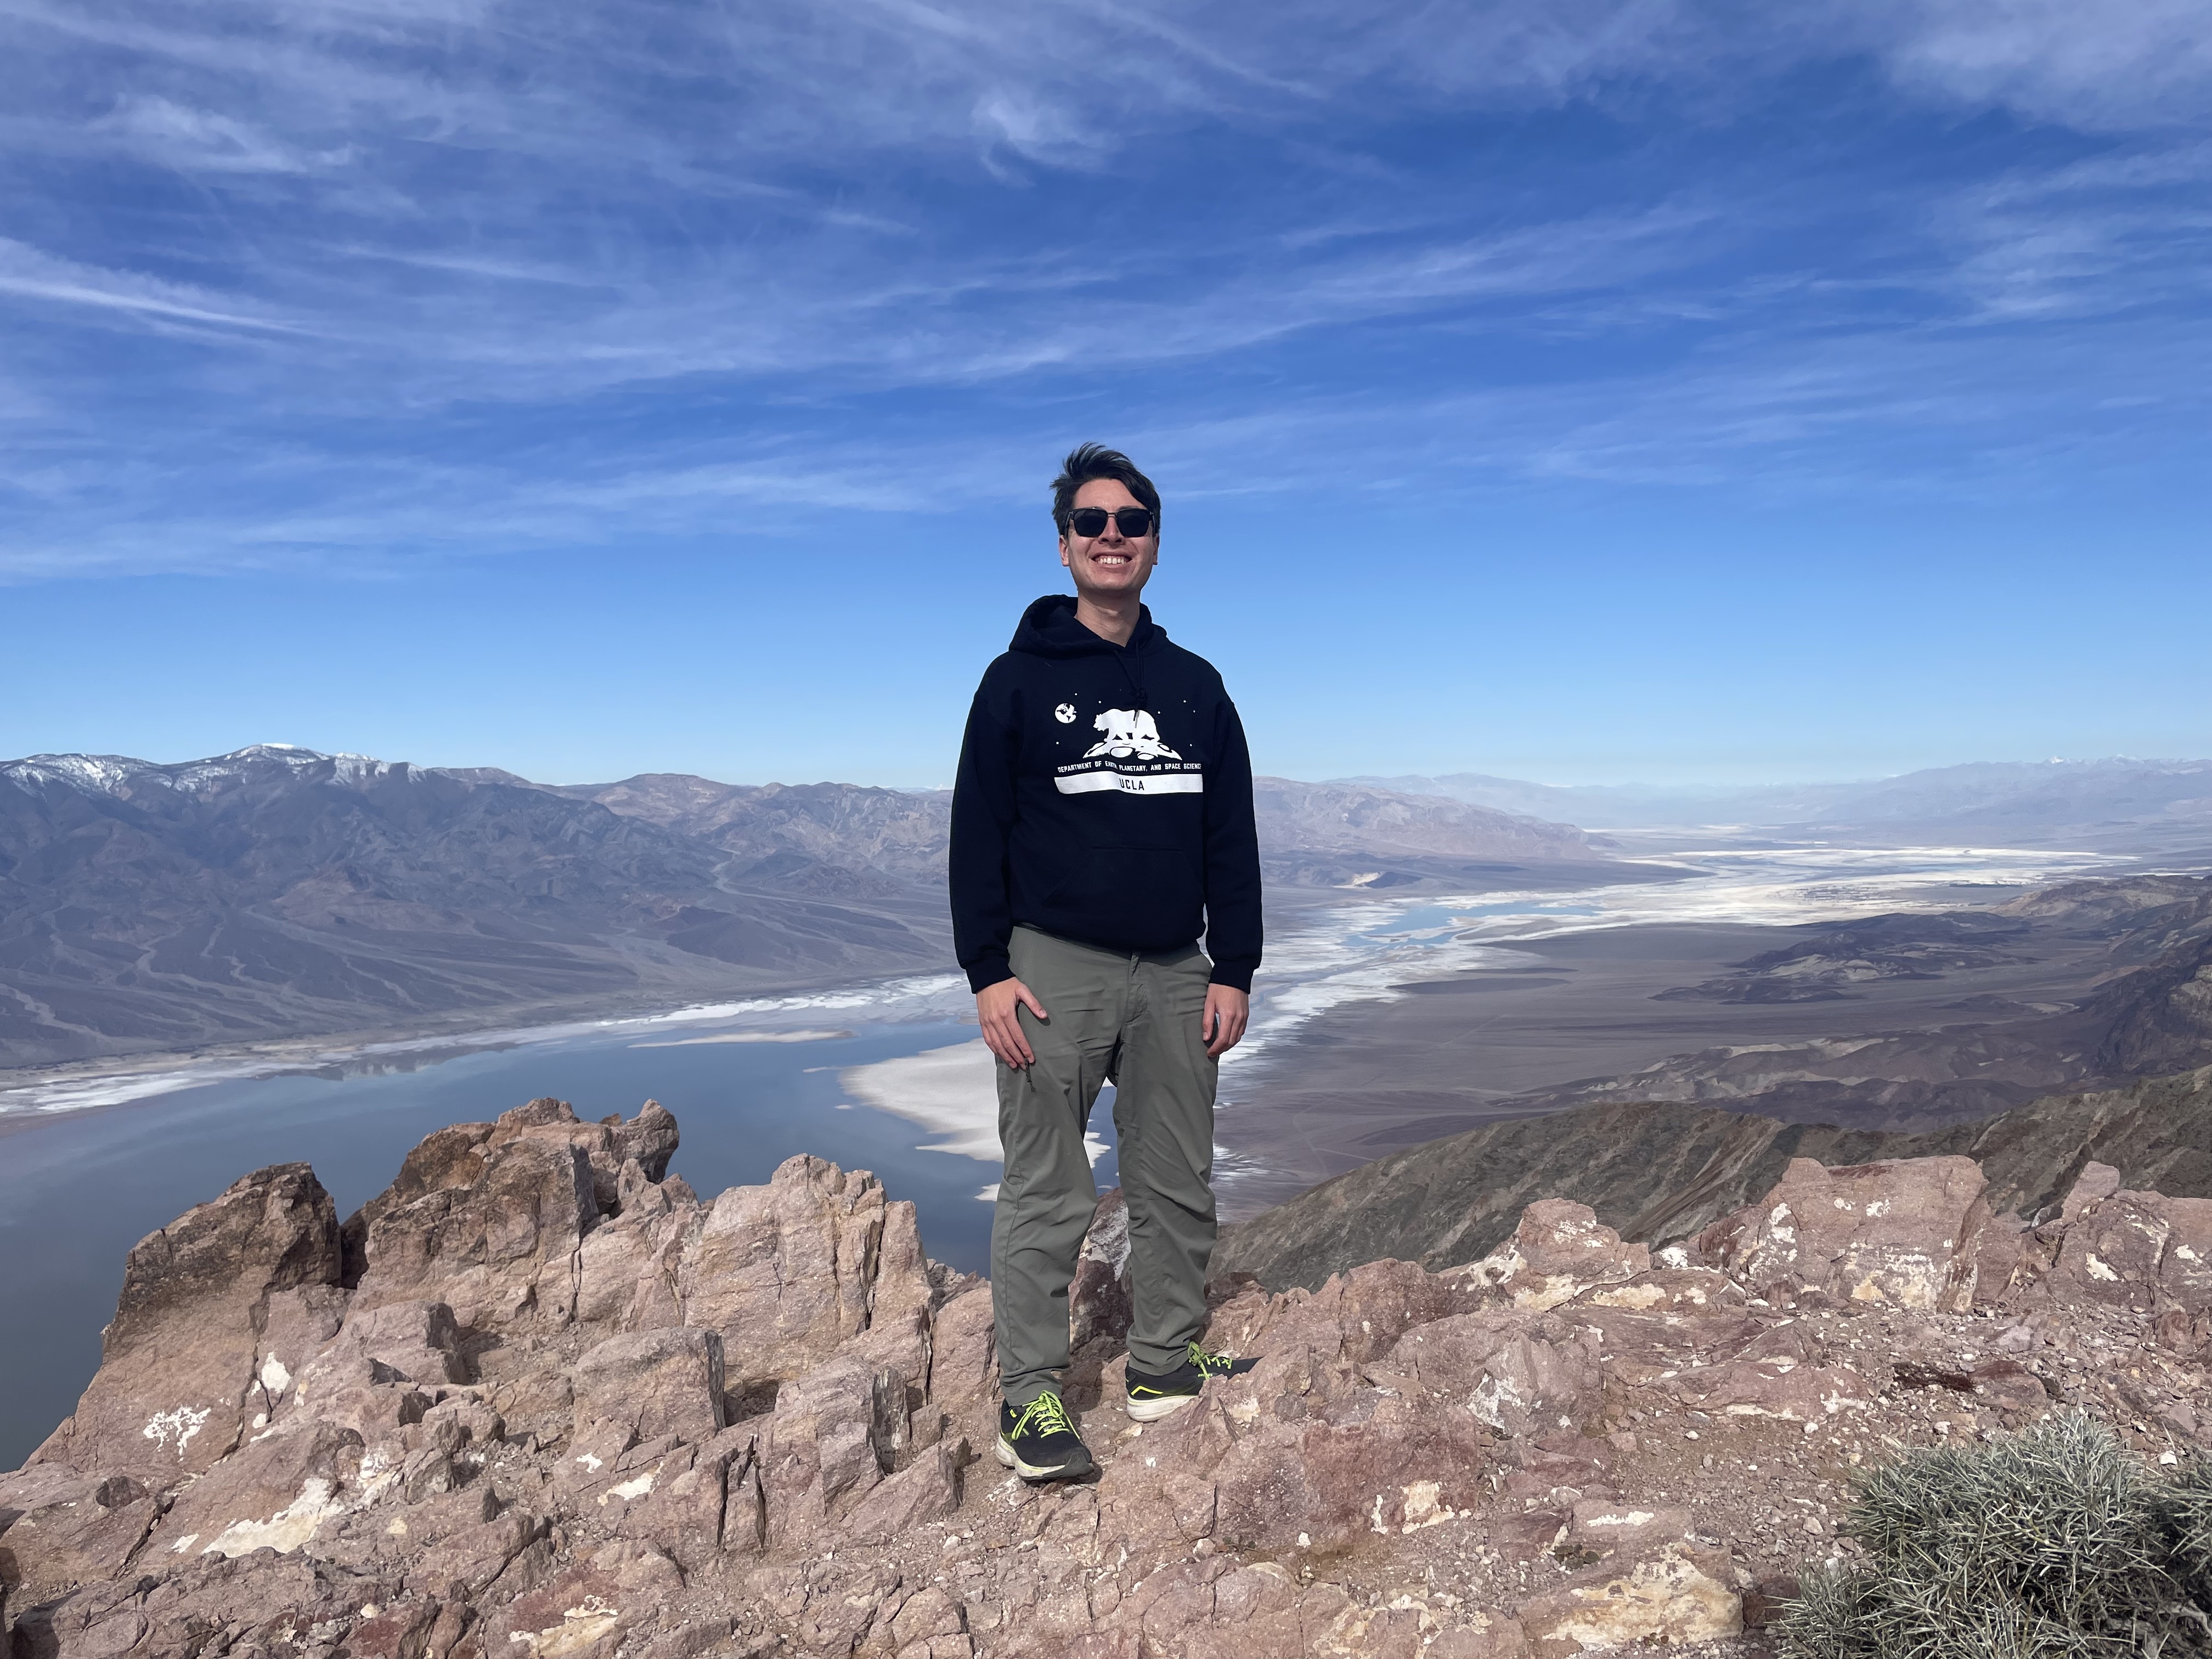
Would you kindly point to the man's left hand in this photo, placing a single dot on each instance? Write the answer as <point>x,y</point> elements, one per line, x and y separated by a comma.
<point>1227,1009</point>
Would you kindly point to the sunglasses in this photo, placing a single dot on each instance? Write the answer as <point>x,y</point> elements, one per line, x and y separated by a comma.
<point>1089,521</point>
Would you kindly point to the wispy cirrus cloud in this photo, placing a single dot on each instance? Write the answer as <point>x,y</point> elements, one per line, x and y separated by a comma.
<point>297,282</point>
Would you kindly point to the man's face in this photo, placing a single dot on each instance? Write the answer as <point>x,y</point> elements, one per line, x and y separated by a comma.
<point>1109,562</point>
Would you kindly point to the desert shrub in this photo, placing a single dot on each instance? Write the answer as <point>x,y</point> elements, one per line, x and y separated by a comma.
<point>2058,1543</point>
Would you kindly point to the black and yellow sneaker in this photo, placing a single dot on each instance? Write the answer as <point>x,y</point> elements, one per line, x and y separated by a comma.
<point>1151,1398</point>
<point>1039,1442</point>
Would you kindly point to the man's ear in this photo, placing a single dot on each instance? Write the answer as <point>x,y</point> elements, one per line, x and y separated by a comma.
<point>1063,552</point>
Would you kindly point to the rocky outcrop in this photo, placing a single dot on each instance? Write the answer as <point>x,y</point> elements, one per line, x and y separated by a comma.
<point>1662,1172</point>
<point>218,1309</point>
<point>538,1399</point>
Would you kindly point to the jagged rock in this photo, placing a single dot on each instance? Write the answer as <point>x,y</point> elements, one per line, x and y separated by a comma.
<point>925,1491</point>
<point>400,1342</point>
<point>1559,1251</point>
<point>1671,1595</point>
<point>1529,1455</point>
<point>653,1383</point>
<point>64,1529</point>
<point>787,1272</point>
<point>179,1382</point>
<point>1515,1374</point>
<point>1101,1300</point>
<point>2096,1183</point>
<point>1904,1234</point>
<point>274,1493</point>
<point>499,1250</point>
<point>651,1138</point>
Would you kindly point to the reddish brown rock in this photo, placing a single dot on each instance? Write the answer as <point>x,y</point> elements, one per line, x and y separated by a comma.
<point>178,1380</point>
<point>2143,1251</point>
<point>1529,1456</point>
<point>274,1493</point>
<point>652,1384</point>
<point>787,1272</point>
<point>1672,1594</point>
<point>499,1250</point>
<point>62,1529</point>
<point>927,1490</point>
<point>1099,1302</point>
<point>1904,1234</point>
<point>416,1342</point>
<point>1559,1251</point>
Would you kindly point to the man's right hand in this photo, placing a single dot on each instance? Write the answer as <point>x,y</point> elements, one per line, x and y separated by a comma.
<point>1002,1027</point>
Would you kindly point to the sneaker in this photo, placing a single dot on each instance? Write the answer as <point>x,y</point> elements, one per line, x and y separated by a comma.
<point>1151,1398</point>
<point>1039,1443</point>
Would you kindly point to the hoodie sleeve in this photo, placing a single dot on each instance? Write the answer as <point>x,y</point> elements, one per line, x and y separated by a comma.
<point>982,821</point>
<point>1232,856</point>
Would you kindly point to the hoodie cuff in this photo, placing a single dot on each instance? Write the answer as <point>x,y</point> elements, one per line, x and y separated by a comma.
<point>989,970</point>
<point>1236,974</point>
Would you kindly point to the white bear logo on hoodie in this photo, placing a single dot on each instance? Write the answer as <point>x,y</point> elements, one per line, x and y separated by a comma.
<point>1130,734</point>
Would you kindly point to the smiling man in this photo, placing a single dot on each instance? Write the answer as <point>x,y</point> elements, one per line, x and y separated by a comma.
<point>1102,822</point>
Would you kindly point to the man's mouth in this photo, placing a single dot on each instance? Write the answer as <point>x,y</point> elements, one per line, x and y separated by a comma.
<point>1115,560</point>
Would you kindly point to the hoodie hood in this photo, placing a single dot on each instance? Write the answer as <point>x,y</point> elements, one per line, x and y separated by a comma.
<point>1048,629</point>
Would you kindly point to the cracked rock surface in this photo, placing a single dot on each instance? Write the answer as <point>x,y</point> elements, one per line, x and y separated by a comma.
<point>538,1401</point>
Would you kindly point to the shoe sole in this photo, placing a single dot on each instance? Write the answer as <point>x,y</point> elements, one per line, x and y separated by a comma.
<point>1150,1411</point>
<point>1070,1470</point>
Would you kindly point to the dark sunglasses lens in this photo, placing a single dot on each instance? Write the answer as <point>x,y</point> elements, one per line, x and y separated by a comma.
<point>1092,521</point>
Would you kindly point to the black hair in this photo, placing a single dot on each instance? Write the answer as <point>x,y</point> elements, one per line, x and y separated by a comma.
<point>1087,461</point>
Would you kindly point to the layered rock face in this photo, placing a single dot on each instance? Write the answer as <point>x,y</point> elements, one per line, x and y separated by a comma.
<point>537,1400</point>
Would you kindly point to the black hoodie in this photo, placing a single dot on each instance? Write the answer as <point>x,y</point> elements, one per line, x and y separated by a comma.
<point>1104,795</point>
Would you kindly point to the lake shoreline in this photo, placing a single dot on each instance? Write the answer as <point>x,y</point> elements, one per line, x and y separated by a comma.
<point>33,1094</point>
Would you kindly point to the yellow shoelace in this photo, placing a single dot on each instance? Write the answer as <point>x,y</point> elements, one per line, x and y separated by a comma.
<point>1047,1415</point>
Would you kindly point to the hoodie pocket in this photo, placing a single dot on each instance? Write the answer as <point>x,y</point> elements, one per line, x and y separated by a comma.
<point>1143,897</point>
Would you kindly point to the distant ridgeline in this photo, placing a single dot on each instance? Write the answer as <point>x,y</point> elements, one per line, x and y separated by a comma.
<point>277,891</point>
<point>1658,1172</point>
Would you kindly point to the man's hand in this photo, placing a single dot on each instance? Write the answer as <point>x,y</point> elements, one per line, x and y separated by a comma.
<point>1227,1009</point>
<point>1002,1030</point>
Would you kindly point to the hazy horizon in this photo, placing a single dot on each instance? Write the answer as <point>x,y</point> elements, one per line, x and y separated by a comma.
<point>1689,786</point>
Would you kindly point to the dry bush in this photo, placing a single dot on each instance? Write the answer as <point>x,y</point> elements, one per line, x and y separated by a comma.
<point>2058,1543</point>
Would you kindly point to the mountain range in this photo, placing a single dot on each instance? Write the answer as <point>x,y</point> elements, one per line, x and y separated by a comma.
<point>277,891</point>
<point>1992,800</point>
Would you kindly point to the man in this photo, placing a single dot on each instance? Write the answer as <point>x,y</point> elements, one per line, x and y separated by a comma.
<point>1101,821</point>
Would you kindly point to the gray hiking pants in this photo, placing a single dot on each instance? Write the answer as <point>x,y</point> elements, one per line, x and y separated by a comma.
<point>1134,1019</point>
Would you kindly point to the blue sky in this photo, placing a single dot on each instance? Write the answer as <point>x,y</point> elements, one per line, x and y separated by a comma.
<point>1578,390</point>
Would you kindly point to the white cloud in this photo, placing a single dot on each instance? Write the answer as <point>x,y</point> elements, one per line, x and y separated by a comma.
<point>33,274</point>
<point>380,213</point>
<point>172,135</point>
<point>2105,64</point>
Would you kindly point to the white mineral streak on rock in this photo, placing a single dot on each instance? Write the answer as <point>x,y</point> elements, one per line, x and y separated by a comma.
<point>2099,1268</point>
<point>581,1627</point>
<point>286,1530</point>
<point>1666,1600</point>
<point>1424,1506</point>
<point>1493,1397</point>
<point>182,1422</point>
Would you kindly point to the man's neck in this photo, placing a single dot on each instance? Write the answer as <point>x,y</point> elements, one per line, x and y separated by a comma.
<point>1114,618</point>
